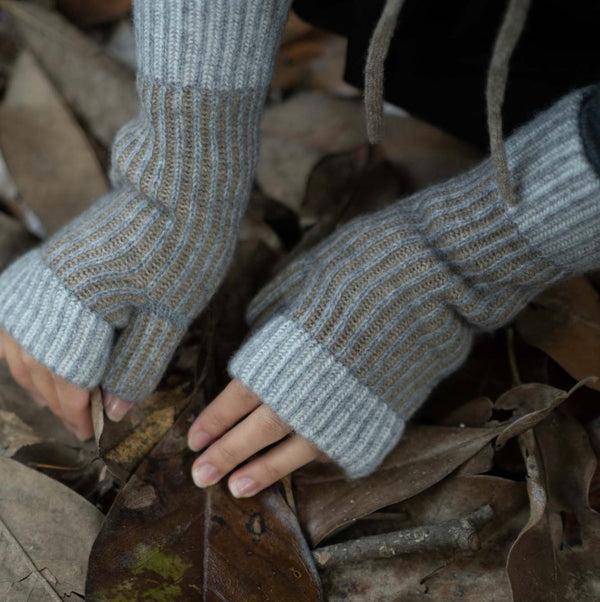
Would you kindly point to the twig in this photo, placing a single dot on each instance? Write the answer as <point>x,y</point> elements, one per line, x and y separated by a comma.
<point>460,533</point>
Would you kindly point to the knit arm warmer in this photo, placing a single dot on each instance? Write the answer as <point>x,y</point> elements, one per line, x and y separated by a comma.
<point>107,299</point>
<point>389,305</point>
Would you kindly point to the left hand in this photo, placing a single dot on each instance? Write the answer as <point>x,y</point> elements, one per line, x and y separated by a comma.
<point>234,427</point>
<point>64,399</point>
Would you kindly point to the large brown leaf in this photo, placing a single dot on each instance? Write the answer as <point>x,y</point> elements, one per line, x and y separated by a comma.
<point>46,533</point>
<point>166,539</point>
<point>564,321</point>
<point>327,502</point>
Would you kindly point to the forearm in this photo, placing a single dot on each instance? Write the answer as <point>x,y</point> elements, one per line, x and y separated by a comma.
<point>389,305</point>
<point>145,259</point>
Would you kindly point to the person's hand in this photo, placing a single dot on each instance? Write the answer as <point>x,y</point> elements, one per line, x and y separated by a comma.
<point>234,427</point>
<point>67,401</point>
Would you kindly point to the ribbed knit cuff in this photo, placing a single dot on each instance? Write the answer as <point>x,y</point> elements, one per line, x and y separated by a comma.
<point>51,324</point>
<point>200,43</point>
<point>318,396</point>
<point>558,189</point>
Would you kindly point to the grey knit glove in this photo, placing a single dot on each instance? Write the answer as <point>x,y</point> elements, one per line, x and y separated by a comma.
<point>389,304</point>
<point>107,299</point>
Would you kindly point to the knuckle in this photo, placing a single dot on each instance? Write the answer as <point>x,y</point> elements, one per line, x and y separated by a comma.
<point>270,422</point>
<point>226,456</point>
<point>29,360</point>
<point>271,471</point>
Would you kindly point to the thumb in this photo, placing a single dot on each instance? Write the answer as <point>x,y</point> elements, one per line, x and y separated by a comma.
<point>140,357</point>
<point>115,407</point>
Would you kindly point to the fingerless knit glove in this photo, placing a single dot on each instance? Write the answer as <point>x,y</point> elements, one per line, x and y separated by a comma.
<point>107,299</point>
<point>354,335</point>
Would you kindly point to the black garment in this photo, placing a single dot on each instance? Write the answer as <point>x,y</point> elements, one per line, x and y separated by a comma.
<point>438,60</point>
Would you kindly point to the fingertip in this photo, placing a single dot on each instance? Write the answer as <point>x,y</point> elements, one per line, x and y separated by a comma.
<point>197,440</point>
<point>116,408</point>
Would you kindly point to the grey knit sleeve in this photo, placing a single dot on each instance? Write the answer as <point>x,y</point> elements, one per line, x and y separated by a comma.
<point>107,299</point>
<point>388,305</point>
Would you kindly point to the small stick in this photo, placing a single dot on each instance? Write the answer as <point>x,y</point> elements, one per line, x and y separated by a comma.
<point>460,533</point>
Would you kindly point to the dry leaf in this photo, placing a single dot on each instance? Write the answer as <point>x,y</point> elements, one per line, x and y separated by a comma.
<point>48,155</point>
<point>14,240</point>
<point>14,434</point>
<point>564,321</point>
<point>560,463</point>
<point>99,88</point>
<point>164,538</point>
<point>441,575</point>
<point>327,502</point>
<point>46,533</point>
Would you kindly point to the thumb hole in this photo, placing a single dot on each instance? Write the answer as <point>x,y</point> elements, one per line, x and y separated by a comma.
<point>139,359</point>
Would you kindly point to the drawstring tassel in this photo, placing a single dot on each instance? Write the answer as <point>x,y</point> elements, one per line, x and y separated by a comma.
<point>374,70</point>
<point>508,37</point>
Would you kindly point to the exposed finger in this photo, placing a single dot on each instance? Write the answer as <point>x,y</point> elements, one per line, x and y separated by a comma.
<point>116,408</point>
<point>43,382</point>
<point>259,429</point>
<point>228,408</point>
<point>17,367</point>
<point>273,465</point>
<point>74,407</point>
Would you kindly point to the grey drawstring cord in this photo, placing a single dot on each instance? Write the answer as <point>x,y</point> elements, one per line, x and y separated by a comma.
<point>374,70</point>
<point>508,36</point>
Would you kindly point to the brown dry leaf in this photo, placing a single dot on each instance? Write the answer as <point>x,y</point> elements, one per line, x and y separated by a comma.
<point>441,575</point>
<point>564,321</point>
<point>542,565</point>
<point>531,403</point>
<point>327,502</point>
<point>123,445</point>
<point>46,534</point>
<point>164,538</point>
<point>14,240</point>
<point>14,434</point>
<point>48,155</point>
<point>99,89</point>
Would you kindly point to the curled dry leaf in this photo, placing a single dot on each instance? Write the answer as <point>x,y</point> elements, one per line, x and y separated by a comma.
<point>166,539</point>
<point>541,564</point>
<point>327,502</point>
<point>564,321</point>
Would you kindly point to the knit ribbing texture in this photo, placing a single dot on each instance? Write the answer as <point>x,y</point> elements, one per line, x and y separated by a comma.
<point>108,298</point>
<point>389,305</point>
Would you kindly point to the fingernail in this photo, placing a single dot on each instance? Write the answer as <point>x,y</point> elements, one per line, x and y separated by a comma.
<point>198,440</point>
<point>205,475</point>
<point>115,407</point>
<point>242,487</point>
